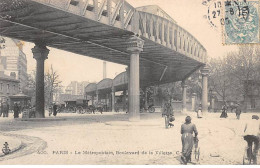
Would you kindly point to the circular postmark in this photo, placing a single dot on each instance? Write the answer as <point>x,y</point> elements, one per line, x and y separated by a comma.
<point>214,13</point>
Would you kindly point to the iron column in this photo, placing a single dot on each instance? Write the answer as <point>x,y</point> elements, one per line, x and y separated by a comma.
<point>40,53</point>
<point>135,46</point>
<point>205,73</point>
<point>193,101</point>
<point>113,98</point>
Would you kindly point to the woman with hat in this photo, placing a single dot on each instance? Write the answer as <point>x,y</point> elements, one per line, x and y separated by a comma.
<point>187,139</point>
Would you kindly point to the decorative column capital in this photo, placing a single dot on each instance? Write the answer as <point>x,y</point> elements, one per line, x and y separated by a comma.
<point>135,44</point>
<point>40,52</point>
<point>204,71</point>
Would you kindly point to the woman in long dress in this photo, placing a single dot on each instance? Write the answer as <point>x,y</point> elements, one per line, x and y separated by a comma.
<point>199,115</point>
<point>224,112</point>
<point>187,139</point>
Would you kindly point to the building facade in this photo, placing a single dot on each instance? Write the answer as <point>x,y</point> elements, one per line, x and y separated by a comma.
<point>14,61</point>
<point>76,88</point>
<point>9,86</point>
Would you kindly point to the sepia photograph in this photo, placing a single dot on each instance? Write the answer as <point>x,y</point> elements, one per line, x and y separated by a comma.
<point>129,82</point>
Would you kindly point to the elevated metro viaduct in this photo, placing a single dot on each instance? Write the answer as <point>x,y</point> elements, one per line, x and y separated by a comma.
<point>154,47</point>
<point>106,88</point>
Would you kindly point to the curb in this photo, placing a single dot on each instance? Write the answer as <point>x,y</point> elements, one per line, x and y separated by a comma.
<point>12,150</point>
<point>41,119</point>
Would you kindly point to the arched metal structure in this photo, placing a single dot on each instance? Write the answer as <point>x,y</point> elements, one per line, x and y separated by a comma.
<point>112,30</point>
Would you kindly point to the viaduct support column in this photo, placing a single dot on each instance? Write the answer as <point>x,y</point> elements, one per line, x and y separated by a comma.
<point>184,98</point>
<point>40,53</point>
<point>113,98</point>
<point>205,73</point>
<point>135,46</point>
<point>193,101</point>
<point>146,99</point>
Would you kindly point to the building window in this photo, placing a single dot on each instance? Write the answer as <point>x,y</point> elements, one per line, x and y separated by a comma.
<point>1,87</point>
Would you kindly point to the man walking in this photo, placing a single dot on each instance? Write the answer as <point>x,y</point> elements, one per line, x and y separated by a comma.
<point>238,111</point>
<point>54,110</point>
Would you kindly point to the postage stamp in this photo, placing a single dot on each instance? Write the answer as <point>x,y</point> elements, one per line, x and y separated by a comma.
<point>241,22</point>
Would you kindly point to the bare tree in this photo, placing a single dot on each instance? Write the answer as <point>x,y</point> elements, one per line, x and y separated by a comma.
<point>244,67</point>
<point>52,85</point>
<point>232,75</point>
<point>219,79</point>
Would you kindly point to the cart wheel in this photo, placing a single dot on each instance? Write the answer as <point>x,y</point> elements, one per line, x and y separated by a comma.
<point>80,110</point>
<point>151,110</point>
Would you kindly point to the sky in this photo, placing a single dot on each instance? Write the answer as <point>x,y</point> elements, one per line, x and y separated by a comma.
<point>189,14</point>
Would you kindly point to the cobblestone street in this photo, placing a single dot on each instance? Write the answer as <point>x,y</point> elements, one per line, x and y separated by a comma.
<point>110,139</point>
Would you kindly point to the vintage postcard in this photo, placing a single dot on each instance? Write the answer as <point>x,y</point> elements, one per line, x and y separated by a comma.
<point>129,82</point>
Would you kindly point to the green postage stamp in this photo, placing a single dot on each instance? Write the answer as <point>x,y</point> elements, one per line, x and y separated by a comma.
<point>241,22</point>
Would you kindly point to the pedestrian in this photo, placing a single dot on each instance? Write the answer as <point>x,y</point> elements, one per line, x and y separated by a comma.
<point>224,111</point>
<point>54,110</point>
<point>199,111</point>
<point>238,111</point>
<point>4,107</point>
<point>7,109</point>
<point>16,110</point>
<point>168,111</point>
<point>187,139</point>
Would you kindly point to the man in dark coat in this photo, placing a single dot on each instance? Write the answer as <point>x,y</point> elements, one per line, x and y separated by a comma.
<point>54,109</point>
<point>5,109</point>
<point>16,110</point>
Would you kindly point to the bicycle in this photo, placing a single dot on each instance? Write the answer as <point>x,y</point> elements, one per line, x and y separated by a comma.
<point>195,152</point>
<point>196,149</point>
<point>249,156</point>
